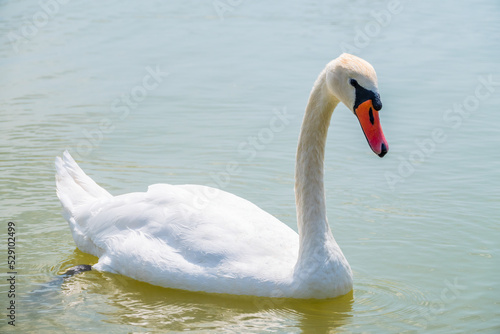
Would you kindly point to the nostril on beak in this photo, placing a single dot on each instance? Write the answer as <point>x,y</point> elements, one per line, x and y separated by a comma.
<point>383,150</point>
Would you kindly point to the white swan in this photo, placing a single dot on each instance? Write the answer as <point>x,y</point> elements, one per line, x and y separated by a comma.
<point>201,239</point>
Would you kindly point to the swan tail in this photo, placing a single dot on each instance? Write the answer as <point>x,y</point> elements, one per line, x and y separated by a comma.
<point>74,187</point>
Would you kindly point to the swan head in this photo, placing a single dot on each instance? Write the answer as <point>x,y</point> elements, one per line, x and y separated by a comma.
<point>353,81</point>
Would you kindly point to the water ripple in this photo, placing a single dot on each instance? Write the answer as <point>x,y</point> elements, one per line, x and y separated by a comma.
<point>378,298</point>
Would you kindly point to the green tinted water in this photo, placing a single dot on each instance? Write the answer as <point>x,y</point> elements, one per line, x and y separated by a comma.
<point>173,93</point>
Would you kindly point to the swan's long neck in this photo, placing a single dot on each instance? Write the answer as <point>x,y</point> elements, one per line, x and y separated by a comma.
<point>314,231</point>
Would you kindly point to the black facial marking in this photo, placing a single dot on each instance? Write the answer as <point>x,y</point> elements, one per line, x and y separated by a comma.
<point>363,95</point>
<point>372,120</point>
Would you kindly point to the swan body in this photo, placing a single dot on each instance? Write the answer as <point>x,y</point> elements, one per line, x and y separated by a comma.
<point>199,238</point>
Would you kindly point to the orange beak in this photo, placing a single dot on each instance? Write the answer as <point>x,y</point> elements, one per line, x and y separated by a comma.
<point>370,123</point>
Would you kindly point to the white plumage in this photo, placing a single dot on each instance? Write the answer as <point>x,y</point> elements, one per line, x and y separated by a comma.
<point>203,239</point>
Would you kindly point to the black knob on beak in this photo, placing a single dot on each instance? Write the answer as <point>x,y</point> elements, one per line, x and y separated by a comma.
<point>377,104</point>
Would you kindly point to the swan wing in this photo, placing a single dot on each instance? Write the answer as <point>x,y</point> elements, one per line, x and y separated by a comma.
<point>190,237</point>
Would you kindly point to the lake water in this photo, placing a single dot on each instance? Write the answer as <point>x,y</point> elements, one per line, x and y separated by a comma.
<point>164,92</point>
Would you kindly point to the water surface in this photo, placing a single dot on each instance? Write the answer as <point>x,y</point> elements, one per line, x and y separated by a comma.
<point>419,227</point>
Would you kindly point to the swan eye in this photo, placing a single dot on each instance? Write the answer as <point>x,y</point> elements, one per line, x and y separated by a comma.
<point>353,82</point>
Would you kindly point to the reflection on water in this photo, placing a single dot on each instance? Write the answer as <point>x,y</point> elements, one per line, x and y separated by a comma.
<point>146,305</point>
<point>425,252</point>
<point>141,305</point>
<point>133,304</point>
